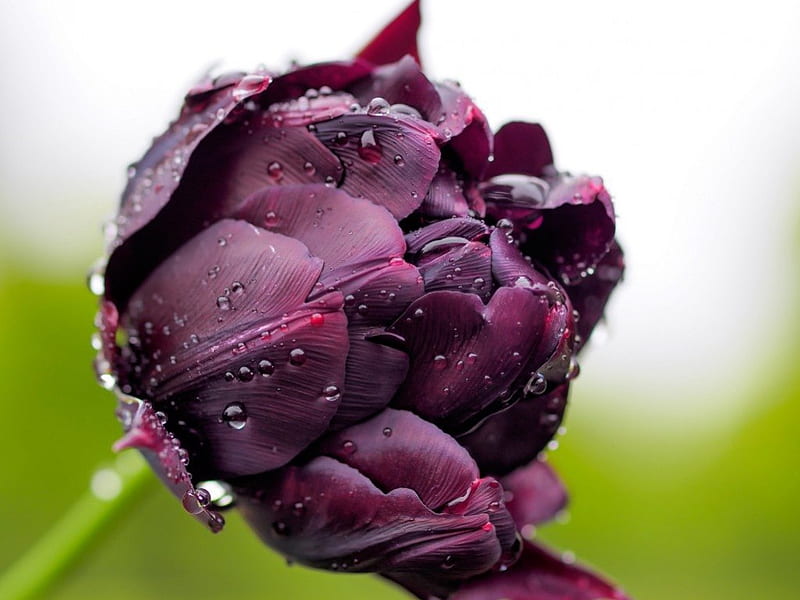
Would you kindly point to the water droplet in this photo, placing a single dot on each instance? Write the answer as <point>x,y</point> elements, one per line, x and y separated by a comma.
<point>349,446</point>
<point>574,368</point>
<point>317,319</point>
<point>280,528</point>
<point>246,374</point>
<point>378,106</point>
<point>229,376</point>
<point>332,393</point>
<point>439,362</point>
<point>249,85</point>
<point>131,171</point>
<point>419,313</point>
<point>362,309</point>
<point>237,288</point>
<point>368,148</point>
<point>536,385</point>
<point>191,502</point>
<point>387,432</point>
<point>308,168</point>
<point>162,418</point>
<point>95,280</point>
<point>298,509</point>
<point>265,367</point>
<point>220,114</point>
<point>399,160</point>
<point>505,224</point>
<point>235,415</point>
<point>297,357</point>
<point>222,242</point>
<point>340,139</point>
<point>448,562</point>
<point>479,283</point>
<point>275,170</point>
<point>213,272</point>
<point>223,303</point>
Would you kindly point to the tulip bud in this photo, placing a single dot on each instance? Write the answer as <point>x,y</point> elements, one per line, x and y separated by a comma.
<point>330,303</point>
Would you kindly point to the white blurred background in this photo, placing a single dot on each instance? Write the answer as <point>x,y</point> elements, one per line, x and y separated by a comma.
<point>690,110</point>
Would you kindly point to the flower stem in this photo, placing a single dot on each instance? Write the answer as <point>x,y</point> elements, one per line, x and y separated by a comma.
<point>113,489</point>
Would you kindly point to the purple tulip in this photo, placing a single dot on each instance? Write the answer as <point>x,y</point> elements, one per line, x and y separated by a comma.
<point>334,295</point>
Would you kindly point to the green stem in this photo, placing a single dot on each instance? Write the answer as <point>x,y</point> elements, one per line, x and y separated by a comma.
<point>113,489</point>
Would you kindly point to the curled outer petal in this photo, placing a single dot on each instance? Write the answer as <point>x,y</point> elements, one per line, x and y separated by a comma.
<point>356,507</point>
<point>539,575</point>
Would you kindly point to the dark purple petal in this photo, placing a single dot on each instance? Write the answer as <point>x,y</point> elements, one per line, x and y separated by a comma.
<point>445,197</point>
<point>373,373</point>
<point>465,356</point>
<point>433,464</point>
<point>401,83</point>
<point>515,436</point>
<point>509,267</point>
<point>328,515</point>
<point>145,431</point>
<point>389,160</point>
<point>534,494</point>
<point>590,294</point>
<point>466,228</point>
<point>569,229</point>
<point>462,267</point>
<point>465,128</point>
<point>343,231</point>
<point>157,174</point>
<point>521,148</point>
<point>221,336</point>
<point>396,39</point>
<point>577,229</point>
<point>333,75</point>
<point>539,575</point>
<point>239,158</point>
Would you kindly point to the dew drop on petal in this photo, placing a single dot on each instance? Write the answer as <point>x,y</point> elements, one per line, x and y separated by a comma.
<point>297,357</point>
<point>234,415</point>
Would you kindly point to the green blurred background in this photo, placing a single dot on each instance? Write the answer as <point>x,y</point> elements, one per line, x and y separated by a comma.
<point>682,448</point>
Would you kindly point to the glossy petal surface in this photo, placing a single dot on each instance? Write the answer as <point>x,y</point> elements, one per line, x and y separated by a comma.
<point>539,575</point>
<point>224,337</point>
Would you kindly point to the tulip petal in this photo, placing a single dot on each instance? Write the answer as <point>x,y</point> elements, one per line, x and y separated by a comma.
<point>577,228</point>
<point>156,175</point>
<point>464,355</point>
<point>534,494</point>
<point>445,197</point>
<point>590,294</point>
<point>238,346</point>
<point>539,575</point>
<point>463,267</point>
<point>465,129</point>
<point>236,160</point>
<point>404,83</point>
<point>399,449</point>
<point>373,373</point>
<point>347,233</point>
<point>326,514</point>
<point>521,148</point>
<point>396,39</point>
<point>389,160</point>
<point>335,75</point>
<point>467,228</point>
<point>144,431</point>
<point>516,436</point>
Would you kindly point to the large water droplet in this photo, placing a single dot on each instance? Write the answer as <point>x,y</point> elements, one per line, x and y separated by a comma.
<point>249,85</point>
<point>235,415</point>
<point>265,367</point>
<point>332,393</point>
<point>297,357</point>
<point>536,385</point>
<point>368,148</point>
<point>378,106</point>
